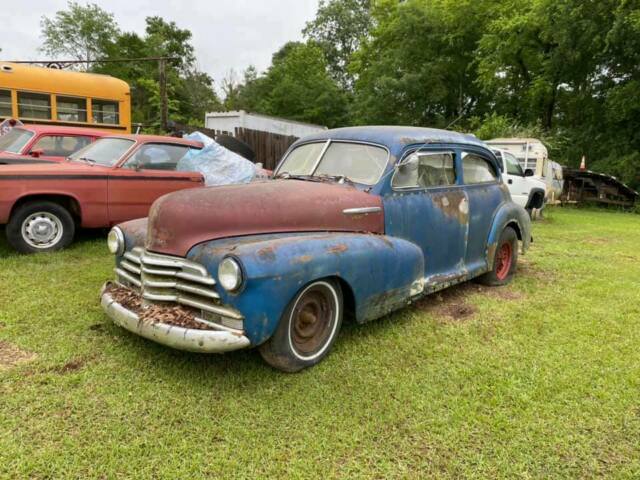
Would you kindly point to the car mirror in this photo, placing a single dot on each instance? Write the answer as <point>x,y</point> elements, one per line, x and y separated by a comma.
<point>36,153</point>
<point>528,172</point>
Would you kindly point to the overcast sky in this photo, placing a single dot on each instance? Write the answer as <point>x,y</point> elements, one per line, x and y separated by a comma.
<point>227,34</point>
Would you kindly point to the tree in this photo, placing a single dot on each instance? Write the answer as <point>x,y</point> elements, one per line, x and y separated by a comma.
<point>297,86</point>
<point>338,28</point>
<point>80,32</point>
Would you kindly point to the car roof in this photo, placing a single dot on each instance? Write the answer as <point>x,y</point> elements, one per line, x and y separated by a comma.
<point>395,137</point>
<point>60,130</point>
<point>158,139</point>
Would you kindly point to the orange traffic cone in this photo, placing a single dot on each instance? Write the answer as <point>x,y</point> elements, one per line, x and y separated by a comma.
<point>583,163</point>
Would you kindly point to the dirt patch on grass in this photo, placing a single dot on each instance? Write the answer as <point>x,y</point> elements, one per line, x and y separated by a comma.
<point>170,314</point>
<point>71,366</point>
<point>598,241</point>
<point>527,268</point>
<point>452,303</point>
<point>11,355</point>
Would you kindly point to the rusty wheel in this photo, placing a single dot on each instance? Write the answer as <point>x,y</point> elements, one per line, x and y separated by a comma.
<point>504,261</point>
<point>307,329</point>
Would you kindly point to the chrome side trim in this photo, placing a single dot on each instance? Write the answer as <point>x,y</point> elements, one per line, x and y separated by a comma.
<point>361,210</point>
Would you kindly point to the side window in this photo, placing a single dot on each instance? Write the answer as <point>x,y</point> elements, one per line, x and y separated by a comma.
<point>426,170</point>
<point>5,103</point>
<point>71,109</point>
<point>476,169</point>
<point>513,167</point>
<point>60,145</point>
<point>105,111</point>
<point>157,156</point>
<point>34,105</point>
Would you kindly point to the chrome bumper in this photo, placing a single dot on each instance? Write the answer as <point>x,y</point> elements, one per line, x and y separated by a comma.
<point>188,339</point>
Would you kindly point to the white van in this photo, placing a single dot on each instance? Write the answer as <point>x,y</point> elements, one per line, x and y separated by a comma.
<point>533,155</point>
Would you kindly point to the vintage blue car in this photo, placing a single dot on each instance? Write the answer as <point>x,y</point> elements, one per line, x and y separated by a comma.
<point>356,222</point>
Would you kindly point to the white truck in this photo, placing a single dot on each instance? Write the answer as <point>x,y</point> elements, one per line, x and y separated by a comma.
<point>533,155</point>
<point>526,190</point>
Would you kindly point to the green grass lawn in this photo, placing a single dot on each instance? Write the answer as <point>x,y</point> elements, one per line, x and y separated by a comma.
<point>540,379</point>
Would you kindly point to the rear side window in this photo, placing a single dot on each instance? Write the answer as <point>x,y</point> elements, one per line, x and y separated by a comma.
<point>425,170</point>
<point>60,145</point>
<point>71,109</point>
<point>5,103</point>
<point>476,169</point>
<point>105,111</point>
<point>34,105</point>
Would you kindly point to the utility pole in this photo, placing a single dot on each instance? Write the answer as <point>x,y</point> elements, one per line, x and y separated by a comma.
<point>164,102</point>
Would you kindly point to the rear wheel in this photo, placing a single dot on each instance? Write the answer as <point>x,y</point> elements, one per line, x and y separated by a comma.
<point>308,328</point>
<point>505,260</point>
<point>40,226</point>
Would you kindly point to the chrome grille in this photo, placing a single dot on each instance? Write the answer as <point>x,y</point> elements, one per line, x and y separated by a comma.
<point>161,278</point>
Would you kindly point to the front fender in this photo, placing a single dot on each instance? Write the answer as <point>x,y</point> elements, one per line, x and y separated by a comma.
<point>508,214</point>
<point>378,270</point>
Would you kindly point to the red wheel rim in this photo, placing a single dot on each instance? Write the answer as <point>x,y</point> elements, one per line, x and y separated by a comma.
<point>503,260</point>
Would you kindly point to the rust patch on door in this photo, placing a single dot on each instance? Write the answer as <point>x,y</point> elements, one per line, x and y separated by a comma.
<point>340,248</point>
<point>453,204</point>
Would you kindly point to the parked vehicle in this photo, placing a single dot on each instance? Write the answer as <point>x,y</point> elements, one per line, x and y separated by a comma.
<point>526,191</point>
<point>51,96</point>
<point>532,154</point>
<point>45,142</point>
<point>112,180</point>
<point>357,222</point>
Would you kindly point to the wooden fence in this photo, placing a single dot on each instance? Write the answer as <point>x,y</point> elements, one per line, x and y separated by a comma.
<point>268,147</point>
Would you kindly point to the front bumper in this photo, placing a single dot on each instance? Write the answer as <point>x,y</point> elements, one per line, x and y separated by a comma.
<point>188,339</point>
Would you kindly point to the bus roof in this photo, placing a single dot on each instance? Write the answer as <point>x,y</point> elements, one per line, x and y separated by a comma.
<point>39,79</point>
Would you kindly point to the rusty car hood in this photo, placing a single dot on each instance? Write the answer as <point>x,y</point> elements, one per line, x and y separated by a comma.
<point>181,220</point>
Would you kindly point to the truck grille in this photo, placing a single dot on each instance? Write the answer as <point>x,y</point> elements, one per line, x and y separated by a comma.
<point>161,278</point>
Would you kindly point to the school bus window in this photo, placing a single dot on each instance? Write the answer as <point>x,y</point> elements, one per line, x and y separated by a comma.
<point>5,103</point>
<point>105,112</point>
<point>34,105</point>
<point>72,109</point>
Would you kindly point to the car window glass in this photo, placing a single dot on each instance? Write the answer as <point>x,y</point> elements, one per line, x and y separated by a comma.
<point>303,159</point>
<point>104,151</point>
<point>426,170</point>
<point>476,169</point>
<point>513,167</point>
<point>358,162</point>
<point>60,145</point>
<point>157,156</point>
<point>15,140</point>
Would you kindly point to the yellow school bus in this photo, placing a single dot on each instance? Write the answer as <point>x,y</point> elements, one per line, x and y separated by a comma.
<point>58,97</point>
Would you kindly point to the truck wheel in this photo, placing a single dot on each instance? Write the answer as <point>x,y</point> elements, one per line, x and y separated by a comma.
<point>40,226</point>
<point>308,328</point>
<point>505,260</point>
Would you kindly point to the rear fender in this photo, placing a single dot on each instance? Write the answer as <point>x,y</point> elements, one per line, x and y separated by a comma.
<point>509,214</point>
<point>379,270</point>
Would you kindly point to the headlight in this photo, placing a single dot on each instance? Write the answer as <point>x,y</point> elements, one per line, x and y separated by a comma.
<point>115,241</point>
<point>230,274</point>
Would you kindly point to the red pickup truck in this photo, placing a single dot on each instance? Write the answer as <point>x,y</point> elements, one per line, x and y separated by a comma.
<point>47,142</point>
<point>114,179</point>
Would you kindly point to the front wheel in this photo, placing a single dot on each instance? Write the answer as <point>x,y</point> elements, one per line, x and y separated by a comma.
<point>40,226</point>
<point>505,260</point>
<point>307,329</point>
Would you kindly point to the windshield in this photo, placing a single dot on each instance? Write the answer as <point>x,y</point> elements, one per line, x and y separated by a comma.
<point>14,140</point>
<point>354,161</point>
<point>104,151</point>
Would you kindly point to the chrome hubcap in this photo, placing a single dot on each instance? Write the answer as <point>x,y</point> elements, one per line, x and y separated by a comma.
<point>42,230</point>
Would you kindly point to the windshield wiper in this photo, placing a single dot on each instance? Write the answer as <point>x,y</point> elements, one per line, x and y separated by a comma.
<point>287,176</point>
<point>90,161</point>
<point>339,178</point>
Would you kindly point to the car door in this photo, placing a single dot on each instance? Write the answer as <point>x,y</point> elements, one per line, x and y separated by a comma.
<point>147,174</point>
<point>482,184</point>
<point>430,208</point>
